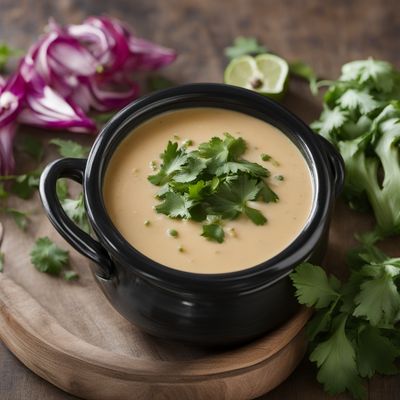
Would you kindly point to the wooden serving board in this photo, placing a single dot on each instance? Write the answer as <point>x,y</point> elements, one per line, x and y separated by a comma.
<point>69,334</point>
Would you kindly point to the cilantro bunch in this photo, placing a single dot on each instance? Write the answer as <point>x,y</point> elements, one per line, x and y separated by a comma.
<point>355,330</point>
<point>361,117</point>
<point>211,183</point>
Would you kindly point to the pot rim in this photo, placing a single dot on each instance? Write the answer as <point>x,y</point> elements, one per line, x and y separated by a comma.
<point>148,106</point>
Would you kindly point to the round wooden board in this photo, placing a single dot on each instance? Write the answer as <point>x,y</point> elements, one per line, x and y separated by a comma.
<point>69,334</point>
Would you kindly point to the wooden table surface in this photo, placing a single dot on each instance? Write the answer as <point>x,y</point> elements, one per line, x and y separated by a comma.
<point>325,34</point>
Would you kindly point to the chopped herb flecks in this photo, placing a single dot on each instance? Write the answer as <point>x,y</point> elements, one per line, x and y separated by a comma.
<point>212,182</point>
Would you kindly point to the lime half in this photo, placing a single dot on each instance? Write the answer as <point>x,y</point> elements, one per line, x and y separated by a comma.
<point>266,74</point>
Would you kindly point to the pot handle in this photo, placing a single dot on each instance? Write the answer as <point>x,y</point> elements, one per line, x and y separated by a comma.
<point>72,168</point>
<point>336,165</point>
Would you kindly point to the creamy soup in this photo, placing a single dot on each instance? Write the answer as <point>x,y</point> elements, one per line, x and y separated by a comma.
<point>130,198</point>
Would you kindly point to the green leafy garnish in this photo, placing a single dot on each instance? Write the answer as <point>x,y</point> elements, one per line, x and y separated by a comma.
<point>75,209</point>
<point>48,257</point>
<point>244,45</point>
<point>212,181</point>
<point>213,232</point>
<point>353,332</point>
<point>7,52</point>
<point>33,147</point>
<point>24,186</point>
<point>304,71</point>
<point>361,117</point>
<point>70,275</point>
<point>1,261</point>
<point>20,218</point>
<point>158,82</point>
<point>69,148</point>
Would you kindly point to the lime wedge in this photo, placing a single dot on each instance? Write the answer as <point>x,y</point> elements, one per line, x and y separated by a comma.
<point>266,74</point>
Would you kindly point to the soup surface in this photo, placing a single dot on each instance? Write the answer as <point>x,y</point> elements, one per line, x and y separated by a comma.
<point>130,198</point>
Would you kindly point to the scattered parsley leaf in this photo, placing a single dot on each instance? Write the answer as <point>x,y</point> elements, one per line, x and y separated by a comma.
<point>313,287</point>
<point>62,189</point>
<point>243,46</point>
<point>70,275</point>
<point>379,300</point>
<point>75,209</point>
<point>6,52</point>
<point>175,206</point>
<point>336,360</point>
<point>354,333</point>
<point>255,215</point>
<point>48,257</point>
<point>33,147</point>
<point>3,192</point>
<point>20,217</point>
<point>376,353</point>
<point>158,82</point>
<point>213,232</point>
<point>103,117</point>
<point>24,186</point>
<point>1,261</point>
<point>69,148</point>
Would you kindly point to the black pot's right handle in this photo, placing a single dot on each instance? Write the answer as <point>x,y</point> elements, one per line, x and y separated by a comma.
<point>72,168</point>
<point>336,164</point>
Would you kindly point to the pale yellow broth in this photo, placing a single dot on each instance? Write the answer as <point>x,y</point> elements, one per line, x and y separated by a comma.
<point>130,198</point>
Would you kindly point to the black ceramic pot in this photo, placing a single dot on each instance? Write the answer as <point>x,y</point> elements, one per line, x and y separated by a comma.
<point>198,308</point>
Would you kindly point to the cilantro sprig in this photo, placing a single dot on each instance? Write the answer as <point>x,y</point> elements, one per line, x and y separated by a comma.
<point>211,183</point>
<point>354,332</point>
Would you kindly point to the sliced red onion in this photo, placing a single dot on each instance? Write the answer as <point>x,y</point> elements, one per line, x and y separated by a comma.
<point>7,134</point>
<point>11,96</point>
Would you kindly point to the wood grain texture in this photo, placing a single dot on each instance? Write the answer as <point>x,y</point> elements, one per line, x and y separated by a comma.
<point>325,34</point>
<point>79,367</point>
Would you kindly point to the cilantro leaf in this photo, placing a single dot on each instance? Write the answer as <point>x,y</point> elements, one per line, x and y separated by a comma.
<point>20,217</point>
<point>6,52</point>
<point>375,73</point>
<point>231,198</point>
<point>267,194</point>
<point>379,299</point>
<point>1,261</point>
<point>376,353</point>
<point>33,147</point>
<point>191,170</point>
<point>75,209</point>
<point>244,45</point>
<point>233,167</point>
<point>213,232</point>
<point>158,82</point>
<point>329,121</point>
<point>3,192</point>
<point>255,215</point>
<point>62,189</point>
<point>69,148</point>
<point>71,275</point>
<point>24,186</point>
<point>336,360</point>
<point>304,71</point>
<point>175,205</point>
<point>313,287</point>
<point>354,99</point>
<point>47,257</point>
<point>173,159</point>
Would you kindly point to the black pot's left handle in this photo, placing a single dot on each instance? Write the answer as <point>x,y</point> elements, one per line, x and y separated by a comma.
<point>72,168</point>
<point>336,165</point>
